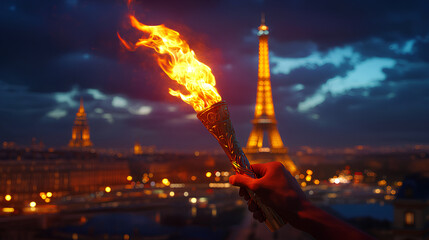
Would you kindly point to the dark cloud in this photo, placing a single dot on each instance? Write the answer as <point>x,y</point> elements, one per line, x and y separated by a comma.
<point>286,89</point>
<point>389,115</point>
<point>422,48</point>
<point>337,22</point>
<point>293,49</point>
<point>409,71</point>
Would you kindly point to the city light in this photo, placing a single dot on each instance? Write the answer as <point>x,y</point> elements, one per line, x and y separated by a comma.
<point>185,194</point>
<point>217,174</point>
<point>165,181</point>
<point>162,195</point>
<point>214,212</point>
<point>382,182</point>
<point>177,185</point>
<point>208,174</point>
<point>309,172</point>
<point>129,178</point>
<point>145,179</point>
<point>49,194</point>
<point>83,219</point>
<point>332,195</point>
<point>8,210</point>
<point>194,211</point>
<point>193,200</point>
<point>8,197</point>
<point>316,181</point>
<point>303,184</point>
<point>308,178</point>
<point>32,204</point>
<point>108,189</point>
<point>193,178</point>
<point>171,194</point>
<point>340,179</point>
<point>219,185</point>
<point>47,200</point>
<point>389,197</point>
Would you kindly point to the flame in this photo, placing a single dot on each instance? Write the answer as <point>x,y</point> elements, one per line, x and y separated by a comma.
<point>181,64</point>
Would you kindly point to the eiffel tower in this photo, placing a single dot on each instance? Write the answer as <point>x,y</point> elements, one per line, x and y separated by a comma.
<point>264,143</point>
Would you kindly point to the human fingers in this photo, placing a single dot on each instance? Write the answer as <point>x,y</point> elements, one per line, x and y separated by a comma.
<point>258,215</point>
<point>244,181</point>
<point>243,193</point>
<point>252,206</point>
<point>259,169</point>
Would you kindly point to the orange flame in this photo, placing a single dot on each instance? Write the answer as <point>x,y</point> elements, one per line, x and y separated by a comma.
<point>181,65</point>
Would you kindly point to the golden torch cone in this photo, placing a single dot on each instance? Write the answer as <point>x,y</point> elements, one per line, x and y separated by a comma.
<point>216,119</point>
<point>179,62</point>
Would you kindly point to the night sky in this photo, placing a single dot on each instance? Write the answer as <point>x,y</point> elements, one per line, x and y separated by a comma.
<point>344,73</point>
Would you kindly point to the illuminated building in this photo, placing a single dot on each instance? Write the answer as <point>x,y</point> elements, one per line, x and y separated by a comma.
<point>9,145</point>
<point>411,207</point>
<point>138,149</point>
<point>80,132</point>
<point>260,149</point>
<point>358,177</point>
<point>58,174</point>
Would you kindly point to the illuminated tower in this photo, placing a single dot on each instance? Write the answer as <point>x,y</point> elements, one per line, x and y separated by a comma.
<point>264,143</point>
<point>138,150</point>
<point>80,133</point>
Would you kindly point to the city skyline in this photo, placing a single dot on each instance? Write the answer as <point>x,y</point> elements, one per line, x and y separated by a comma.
<point>359,82</point>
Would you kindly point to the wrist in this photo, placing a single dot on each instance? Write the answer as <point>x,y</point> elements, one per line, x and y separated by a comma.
<point>322,225</point>
<point>311,219</point>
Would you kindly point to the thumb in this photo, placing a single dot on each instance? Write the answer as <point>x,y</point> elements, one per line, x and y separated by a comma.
<point>259,169</point>
<point>241,180</point>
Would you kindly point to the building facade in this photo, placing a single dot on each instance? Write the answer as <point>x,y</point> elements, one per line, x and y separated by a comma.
<point>25,174</point>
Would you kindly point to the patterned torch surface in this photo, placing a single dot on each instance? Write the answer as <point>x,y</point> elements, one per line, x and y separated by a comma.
<point>216,119</point>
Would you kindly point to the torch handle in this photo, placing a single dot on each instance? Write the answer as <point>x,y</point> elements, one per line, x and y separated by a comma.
<point>216,119</point>
<point>272,219</point>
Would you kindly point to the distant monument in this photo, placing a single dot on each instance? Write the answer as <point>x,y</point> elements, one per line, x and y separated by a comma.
<point>80,132</point>
<point>138,150</point>
<point>264,143</point>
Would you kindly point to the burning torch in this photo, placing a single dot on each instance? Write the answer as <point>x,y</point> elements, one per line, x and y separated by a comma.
<point>179,62</point>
